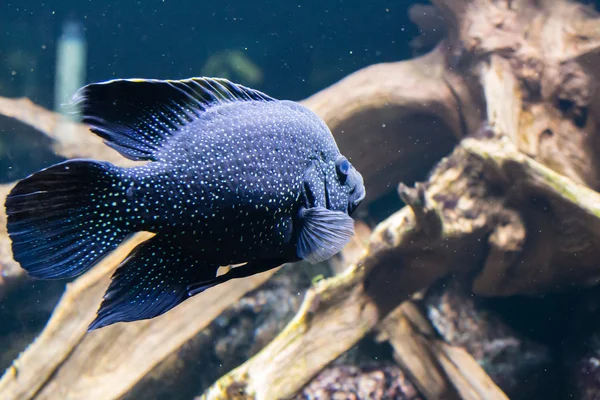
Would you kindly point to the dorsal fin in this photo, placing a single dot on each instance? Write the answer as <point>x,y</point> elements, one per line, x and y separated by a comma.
<point>135,116</point>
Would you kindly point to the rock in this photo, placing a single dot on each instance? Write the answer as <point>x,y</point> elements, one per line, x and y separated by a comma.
<point>377,382</point>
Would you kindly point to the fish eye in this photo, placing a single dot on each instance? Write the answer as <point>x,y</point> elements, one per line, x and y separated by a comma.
<point>342,165</point>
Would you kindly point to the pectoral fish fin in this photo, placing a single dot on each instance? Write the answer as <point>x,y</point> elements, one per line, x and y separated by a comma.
<point>323,233</point>
<point>248,269</point>
<point>136,116</point>
<point>150,281</point>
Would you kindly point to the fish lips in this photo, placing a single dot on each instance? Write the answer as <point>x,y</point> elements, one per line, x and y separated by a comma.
<point>357,192</point>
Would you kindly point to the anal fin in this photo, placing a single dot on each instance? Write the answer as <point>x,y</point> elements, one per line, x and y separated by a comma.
<point>150,281</point>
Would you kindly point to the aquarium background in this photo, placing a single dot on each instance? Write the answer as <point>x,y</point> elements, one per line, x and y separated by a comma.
<point>297,47</point>
<point>290,50</point>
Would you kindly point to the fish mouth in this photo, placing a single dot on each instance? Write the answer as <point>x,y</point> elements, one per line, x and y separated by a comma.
<point>354,200</point>
<point>357,190</point>
<point>361,197</point>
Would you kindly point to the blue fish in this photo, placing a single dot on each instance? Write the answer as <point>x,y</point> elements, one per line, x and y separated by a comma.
<point>232,176</point>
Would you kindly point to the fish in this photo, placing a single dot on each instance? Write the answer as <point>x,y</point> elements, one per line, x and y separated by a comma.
<point>227,175</point>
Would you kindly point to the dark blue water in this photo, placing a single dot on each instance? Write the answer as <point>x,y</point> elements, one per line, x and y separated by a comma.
<point>300,46</point>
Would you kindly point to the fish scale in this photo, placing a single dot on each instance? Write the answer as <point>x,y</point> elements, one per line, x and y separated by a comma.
<point>234,177</point>
<point>236,181</point>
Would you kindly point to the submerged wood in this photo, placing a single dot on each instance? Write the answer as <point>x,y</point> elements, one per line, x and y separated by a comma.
<point>522,187</point>
<point>464,206</point>
<point>522,364</point>
<point>440,370</point>
<point>508,209</point>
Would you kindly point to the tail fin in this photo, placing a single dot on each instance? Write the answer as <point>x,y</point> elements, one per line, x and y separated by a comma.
<point>61,220</point>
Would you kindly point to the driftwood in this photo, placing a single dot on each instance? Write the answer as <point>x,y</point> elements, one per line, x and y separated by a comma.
<point>448,313</point>
<point>440,370</point>
<point>509,207</point>
<point>508,102</point>
<point>467,212</point>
